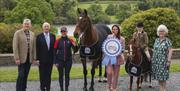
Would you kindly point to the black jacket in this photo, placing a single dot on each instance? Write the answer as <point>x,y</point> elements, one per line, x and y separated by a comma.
<point>43,54</point>
<point>63,49</point>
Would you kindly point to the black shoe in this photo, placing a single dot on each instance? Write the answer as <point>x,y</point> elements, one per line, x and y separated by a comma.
<point>62,89</point>
<point>66,89</point>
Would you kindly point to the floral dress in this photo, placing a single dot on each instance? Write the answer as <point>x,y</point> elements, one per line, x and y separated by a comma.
<point>160,69</point>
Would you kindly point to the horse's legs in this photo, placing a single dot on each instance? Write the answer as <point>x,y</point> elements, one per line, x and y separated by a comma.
<point>138,82</point>
<point>85,73</point>
<point>141,80</point>
<point>150,84</point>
<point>131,82</point>
<point>100,71</point>
<point>94,65</point>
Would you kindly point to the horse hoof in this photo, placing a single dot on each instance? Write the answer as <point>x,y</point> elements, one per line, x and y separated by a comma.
<point>91,89</point>
<point>140,87</point>
<point>99,81</point>
<point>105,80</point>
<point>85,89</point>
<point>129,89</point>
<point>150,86</point>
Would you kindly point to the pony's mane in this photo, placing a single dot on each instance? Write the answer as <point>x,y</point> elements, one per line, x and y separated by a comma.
<point>136,52</point>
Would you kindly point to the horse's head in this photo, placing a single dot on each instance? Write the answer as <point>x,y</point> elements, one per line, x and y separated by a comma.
<point>84,29</point>
<point>83,24</point>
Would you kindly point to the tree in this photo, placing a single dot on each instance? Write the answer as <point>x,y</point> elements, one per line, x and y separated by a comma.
<point>125,10</point>
<point>147,4</point>
<point>64,10</point>
<point>38,11</point>
<point>6,5</point>
<point>97,15</point>
<point>152,19</point>
<point>111,9</point>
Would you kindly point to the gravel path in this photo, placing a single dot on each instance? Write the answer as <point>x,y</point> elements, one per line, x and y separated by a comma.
<point>173,84</point>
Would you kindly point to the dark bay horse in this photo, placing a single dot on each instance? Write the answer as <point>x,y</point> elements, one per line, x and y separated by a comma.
<point>137,64</point>
<point>91,38</point>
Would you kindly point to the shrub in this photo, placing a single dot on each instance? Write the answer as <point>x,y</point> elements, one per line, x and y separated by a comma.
<point>38,11</point>
<point>152,19</point>
<point>7,32</point>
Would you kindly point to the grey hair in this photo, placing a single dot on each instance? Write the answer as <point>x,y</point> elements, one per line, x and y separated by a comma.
<point>26,21</point>
<point>162,28</point>
<point>45,23</point>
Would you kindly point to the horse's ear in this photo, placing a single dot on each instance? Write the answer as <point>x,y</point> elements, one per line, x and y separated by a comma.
<point>85,11</point>
<point>79,10</point>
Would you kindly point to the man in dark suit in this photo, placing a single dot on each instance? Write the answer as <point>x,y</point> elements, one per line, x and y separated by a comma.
<point>44,43</point>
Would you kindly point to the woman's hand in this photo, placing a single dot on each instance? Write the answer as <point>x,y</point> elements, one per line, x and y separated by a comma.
<point>168,63</point>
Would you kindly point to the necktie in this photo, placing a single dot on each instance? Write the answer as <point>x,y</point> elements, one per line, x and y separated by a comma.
<point>47,40</point>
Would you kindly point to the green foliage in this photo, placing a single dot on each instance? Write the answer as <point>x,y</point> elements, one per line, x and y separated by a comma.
<point>111,9</point>
<point>7,32</point>
<point>152,19</point>
<point>65,11</point>
<point>6,36</point>
<point>97,15</point>
<point>38,11</point>
<point>6,5</point>
<point>126,10</point>
<point>147,4</point>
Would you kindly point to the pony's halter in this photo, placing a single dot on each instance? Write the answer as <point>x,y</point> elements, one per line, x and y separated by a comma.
<point>80,36</point>
<point>130,51</point>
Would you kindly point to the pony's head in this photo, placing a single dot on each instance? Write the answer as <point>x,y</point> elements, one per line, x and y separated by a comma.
<point>134,51</point>
<point>83,24</point>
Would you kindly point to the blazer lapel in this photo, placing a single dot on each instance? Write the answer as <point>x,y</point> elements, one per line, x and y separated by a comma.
<point>24,36</point>
<point>51,40</point>
<point>44,40</point>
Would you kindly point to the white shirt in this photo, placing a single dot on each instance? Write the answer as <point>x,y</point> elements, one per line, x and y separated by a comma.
<point>47,37</point>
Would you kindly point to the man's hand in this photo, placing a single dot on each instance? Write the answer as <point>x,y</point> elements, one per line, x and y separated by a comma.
<point>36,62</point>
<point>57,65</point>
<point>18,62</point>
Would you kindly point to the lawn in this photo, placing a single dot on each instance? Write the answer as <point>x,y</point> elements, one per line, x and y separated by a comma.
<point>9,74</point>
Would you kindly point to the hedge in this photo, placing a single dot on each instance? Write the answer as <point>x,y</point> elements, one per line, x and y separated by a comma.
<point>151,19</point>
<point>7,32</point>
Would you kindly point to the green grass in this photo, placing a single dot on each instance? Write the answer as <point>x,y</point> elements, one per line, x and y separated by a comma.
<point>9,74</point>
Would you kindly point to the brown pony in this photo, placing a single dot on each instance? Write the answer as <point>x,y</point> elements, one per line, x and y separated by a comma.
<point>137,64</point>
<point>91,38</point>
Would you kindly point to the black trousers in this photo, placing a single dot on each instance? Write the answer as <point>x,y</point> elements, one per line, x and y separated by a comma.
<point>64,69</point>
<point>23,71</point>
<point>45,70</point>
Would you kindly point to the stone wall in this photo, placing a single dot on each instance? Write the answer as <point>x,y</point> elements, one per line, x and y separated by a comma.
<point>8,60</point>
